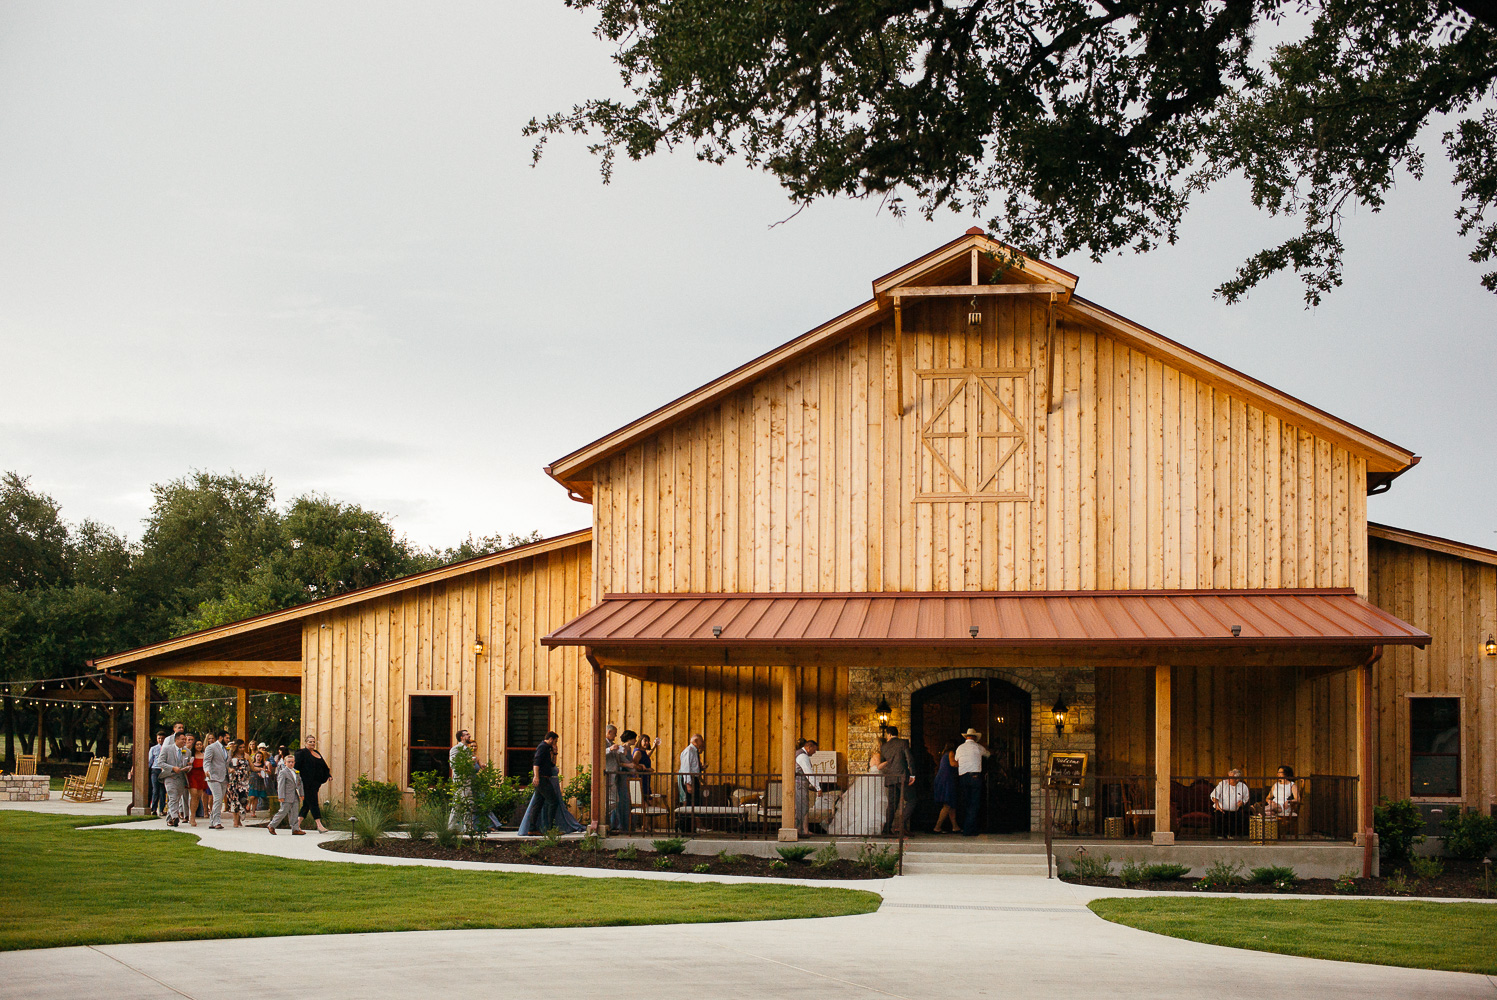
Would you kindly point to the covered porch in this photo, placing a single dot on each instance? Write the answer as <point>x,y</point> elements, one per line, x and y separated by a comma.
<point>1093,673</point>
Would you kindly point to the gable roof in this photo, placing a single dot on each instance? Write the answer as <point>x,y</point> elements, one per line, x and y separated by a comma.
<point>1434,543</point>
<point>276,635</point>
<point>1385,460</point>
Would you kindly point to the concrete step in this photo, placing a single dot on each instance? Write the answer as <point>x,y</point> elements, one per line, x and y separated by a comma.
<point>965,858</point>
<point>972,845</point>
<point>968,867</point>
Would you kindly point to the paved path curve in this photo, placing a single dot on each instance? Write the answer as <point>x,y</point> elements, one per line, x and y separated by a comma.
<point>936,936</point>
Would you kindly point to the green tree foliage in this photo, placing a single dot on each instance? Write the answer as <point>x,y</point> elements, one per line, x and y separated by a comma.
<point>1083,126</point>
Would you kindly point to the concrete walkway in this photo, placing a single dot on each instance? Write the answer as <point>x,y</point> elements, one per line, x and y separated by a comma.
<point>936,936</point>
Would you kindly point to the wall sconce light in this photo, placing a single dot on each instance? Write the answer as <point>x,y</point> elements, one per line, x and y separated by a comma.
<point>974,318</point>
<point>1060,708</point>
<point>477,646</point>
<point>1491,646</point>
<point>717,631</point>
<point>972,631</point>
<point>1236,631</point>
<point>883,715</point>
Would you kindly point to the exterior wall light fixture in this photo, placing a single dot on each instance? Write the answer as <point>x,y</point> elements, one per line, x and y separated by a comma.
<point>882,711</point>
<point>477,646</point>
<point>1060,708</point>
<point>1491,646</point>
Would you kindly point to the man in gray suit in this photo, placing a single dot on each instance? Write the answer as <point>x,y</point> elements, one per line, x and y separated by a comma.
<point>175,763</point>
<point>216,771</point>
<point>289,790</point>
<point>899,780</point>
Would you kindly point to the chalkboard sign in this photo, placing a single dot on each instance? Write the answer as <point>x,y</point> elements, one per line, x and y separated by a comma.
<point>1067,769</point>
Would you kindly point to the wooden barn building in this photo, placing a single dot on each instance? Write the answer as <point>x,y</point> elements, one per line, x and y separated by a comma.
<point>977,499</point>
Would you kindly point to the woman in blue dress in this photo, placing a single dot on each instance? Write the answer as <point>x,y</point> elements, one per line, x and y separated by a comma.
<point>535,810</point>
<point>945,788</point>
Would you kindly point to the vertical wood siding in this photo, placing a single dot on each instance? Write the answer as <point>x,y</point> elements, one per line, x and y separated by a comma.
<point>1144,478</point>
<point>1455,601</point>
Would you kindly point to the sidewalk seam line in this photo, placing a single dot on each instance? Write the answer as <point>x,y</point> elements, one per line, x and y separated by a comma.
<point>140,972</point>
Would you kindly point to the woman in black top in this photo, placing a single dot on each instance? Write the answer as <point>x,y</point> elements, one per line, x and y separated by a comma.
<point>314,774</point>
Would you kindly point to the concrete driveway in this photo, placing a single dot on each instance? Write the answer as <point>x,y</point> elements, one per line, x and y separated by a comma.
<point>936,936</point>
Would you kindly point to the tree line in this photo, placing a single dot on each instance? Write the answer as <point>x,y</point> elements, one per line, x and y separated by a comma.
<point>215,548</point>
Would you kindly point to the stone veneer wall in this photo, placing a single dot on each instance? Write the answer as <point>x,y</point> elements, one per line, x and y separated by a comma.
<point>25,788</point>
<point>867,684</point>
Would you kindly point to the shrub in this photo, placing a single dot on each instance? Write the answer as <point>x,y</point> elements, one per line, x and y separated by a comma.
<point>729,858</point>
<point>1273,875</point>
<point>1398,884</point>
<point>337,814</point>
<point>827,856</point>
<point>1132,872</point>
<point>591,841</point>
<point>1165,872</point>
<point>1426,867</point>
<point>629,853</point>
<point>1469,834</point>
<point>799,852</point>
<point>779,865</point>
<point>384,792</point>
<point>580,788</point>
<point>675,845</point>
<point>702,869</point>
<point>371,821</point>
<point>1347,883</point>
<point>1398,825</point>
<point>530,850</point>
<point>1083,865</point>
<point>418,826</point>
<point>1221,874</point>
<point>880,859</point>
<point>431,787</point>
<point>665,861</point>
<point>440,821</point>
<point>552,838</point>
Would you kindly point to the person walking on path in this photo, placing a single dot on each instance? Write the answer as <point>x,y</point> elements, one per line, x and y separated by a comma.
<point>175,762</point>
<point>156,792</point>
<point>314,774</point>
<point>289,789</point>
<point>216,771</point>
<point>969,780</point>
<point>899,781</point>
<point>197,781</point>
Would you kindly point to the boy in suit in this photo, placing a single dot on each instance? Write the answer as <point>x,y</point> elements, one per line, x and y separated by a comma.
<point>289,789</point>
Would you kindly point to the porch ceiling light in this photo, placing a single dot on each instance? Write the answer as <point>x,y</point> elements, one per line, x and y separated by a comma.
<point>717,631</point>
<point>972,631</point>
<point>1491,646</point>
<point>1059,709</point>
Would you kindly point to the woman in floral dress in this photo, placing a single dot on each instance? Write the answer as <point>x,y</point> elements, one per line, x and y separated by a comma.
<point>236,791</point>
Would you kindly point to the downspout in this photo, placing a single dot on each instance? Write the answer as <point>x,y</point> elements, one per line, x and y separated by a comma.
<point>1364,763</point>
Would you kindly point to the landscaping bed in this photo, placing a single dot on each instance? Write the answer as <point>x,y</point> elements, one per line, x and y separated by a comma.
<point>570,854</point>
<point>1459,880</point>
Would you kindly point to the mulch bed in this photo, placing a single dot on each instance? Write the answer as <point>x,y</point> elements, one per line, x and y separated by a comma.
<point>1461,880</point>
<point>569,855</point>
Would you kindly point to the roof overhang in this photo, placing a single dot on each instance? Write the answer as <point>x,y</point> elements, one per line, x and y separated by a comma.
<point>1434,543</point>
<point>1137,622</point>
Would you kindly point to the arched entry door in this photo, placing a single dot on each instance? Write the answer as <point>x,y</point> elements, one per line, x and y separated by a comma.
<point>998,710</point>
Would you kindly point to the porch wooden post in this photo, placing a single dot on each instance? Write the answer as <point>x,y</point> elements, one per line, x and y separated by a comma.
<point>114,732</point>
<point>599,795</point>
<point>1163,831</point>
<point>41,732</point>
<point>140,775</point>
<point>241,713</point>
<point>789,720</point>
<point>1364,765</point>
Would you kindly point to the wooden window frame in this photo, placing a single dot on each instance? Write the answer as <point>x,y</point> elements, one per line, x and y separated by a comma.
<point>1460,729</point>
<point>452,728</point>
<point>550,697</point>
<point>1021,456</point>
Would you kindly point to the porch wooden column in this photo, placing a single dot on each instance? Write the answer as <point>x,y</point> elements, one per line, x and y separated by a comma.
<point>41,732</point>
<point>599,805</point>
<point>114,732</point>
<point>140,776</point>
<point>241,713</point>
<point>789,720</point>
<point>1163,831</point>
<point>1364,764</point>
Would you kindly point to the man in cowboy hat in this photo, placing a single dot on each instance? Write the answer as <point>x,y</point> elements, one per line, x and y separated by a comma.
<point>969,780</point>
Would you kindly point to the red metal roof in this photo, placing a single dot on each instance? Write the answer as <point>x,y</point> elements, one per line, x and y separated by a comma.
<point>1034,618</point>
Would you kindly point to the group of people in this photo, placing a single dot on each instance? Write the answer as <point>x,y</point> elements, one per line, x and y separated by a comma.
<point>195,776</point>
<point>1232,802</point>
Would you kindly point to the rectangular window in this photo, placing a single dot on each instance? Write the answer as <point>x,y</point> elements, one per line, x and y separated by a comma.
<point>527,720</point>
<point>430,734</point>
<point>1435,747</point>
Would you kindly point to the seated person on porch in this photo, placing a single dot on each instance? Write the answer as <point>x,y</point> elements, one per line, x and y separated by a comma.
<point>1283,795</point>
<point>1229,800</point>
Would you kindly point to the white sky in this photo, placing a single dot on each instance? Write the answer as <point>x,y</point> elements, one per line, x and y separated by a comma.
<point>307,240</point>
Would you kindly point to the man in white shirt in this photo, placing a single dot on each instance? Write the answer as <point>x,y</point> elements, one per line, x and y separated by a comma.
<point>805,781</point>
<point>969,780</point>
<point>1229,800</point>
<point>689,782</point>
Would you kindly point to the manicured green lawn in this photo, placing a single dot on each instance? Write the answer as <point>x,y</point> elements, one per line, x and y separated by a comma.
<point>70,887</point>
<point>1459,937</point>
